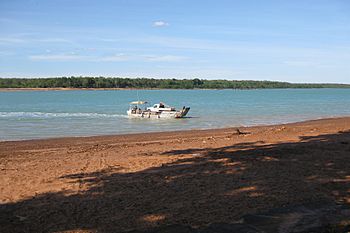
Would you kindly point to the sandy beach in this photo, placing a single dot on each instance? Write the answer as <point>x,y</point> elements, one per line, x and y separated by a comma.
<point>189,178</point>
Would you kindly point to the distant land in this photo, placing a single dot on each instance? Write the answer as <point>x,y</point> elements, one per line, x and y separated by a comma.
<point>151,83</point>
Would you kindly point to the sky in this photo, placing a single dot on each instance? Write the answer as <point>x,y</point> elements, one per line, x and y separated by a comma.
<point>283,40</point>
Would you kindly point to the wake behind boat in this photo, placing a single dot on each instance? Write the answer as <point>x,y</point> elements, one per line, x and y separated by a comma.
<point>139,109</point>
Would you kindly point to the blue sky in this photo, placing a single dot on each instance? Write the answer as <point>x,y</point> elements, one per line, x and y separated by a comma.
<point>295,41</point>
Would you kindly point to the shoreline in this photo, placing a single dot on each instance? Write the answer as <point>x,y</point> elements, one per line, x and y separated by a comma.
<point>173,132</point>
<point>194,178</point>
<point>70,89</point>
<point>120,89</point>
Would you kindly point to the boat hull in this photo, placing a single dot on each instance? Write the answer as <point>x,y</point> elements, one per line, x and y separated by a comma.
<point>158,115</point>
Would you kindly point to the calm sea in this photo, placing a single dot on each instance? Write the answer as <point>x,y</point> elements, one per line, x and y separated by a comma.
<point>45,114</point>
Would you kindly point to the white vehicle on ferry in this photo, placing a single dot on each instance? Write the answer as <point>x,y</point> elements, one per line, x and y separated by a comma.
<point>139,109</point>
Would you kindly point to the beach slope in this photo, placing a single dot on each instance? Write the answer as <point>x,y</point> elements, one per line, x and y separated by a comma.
<point>186,178</point>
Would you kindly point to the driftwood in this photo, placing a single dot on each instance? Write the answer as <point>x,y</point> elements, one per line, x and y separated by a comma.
<point>237,131</point>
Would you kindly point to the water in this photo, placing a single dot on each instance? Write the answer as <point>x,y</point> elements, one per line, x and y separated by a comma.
<point>45,114</point>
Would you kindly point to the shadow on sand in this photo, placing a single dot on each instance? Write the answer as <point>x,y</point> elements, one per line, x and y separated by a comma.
<point>218,185</point>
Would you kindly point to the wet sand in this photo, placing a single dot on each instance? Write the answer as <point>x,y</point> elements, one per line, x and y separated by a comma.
<point>192,178</point>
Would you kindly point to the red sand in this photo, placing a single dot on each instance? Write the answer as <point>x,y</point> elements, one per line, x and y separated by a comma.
<point>126,182</point>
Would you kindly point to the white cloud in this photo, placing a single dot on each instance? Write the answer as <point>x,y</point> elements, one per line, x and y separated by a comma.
<point>301,63</point>
<point>119,57</point>
<point>10,40</point>
<point>57,57</point>
<point>148,58</point>
<point>107,39</point>
<point>52,40</point>
<point>160,23</point>
<point>116,58</point>
<point>24,39</point>
<point>165,58</point>
<point>72,56</point>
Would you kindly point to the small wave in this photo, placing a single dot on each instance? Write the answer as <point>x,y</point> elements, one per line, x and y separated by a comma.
<point>57,115</point>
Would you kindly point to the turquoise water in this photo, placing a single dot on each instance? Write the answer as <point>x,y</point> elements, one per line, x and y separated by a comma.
<point>45,114</point>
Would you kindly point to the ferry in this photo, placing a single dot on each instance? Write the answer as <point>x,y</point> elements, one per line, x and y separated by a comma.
<point>139,109</point>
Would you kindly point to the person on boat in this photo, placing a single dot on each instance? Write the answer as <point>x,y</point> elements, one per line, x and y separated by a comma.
<point>133,110</point>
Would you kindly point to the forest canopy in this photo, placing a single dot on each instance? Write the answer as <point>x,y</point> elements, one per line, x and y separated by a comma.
<point>144,83</point>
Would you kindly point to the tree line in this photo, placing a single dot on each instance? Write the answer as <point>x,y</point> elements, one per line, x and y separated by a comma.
<point>102,82</point>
